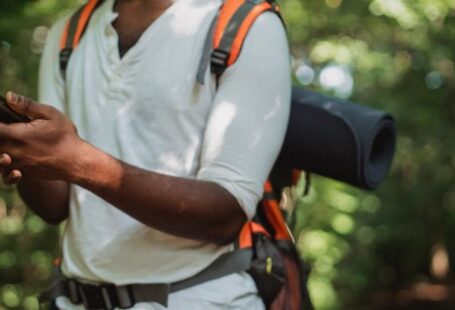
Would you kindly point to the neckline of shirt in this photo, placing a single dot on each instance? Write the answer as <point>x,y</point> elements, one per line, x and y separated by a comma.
<point>109,16</point>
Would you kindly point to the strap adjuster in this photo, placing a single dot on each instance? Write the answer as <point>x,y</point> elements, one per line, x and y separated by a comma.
<point>124,297</point>
<point>98,296</point>
<point>218,61</point>
<point>105,296</point>
<point>64,58</point>
<point>73,292</point>
<point>65,55</point>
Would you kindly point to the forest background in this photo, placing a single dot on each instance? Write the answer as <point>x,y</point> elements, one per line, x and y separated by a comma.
<point>393,248</point>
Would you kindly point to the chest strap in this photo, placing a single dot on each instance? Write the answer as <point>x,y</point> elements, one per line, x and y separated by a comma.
<point>109,296</point>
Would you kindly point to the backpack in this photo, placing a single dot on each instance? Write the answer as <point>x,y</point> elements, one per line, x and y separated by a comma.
<point>265,247</point>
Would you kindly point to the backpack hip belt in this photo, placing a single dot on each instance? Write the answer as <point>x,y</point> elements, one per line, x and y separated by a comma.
<point>109,296</point>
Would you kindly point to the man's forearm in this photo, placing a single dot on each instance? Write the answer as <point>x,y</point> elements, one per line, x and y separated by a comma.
<point>184,207</point>
<point>49,199</point>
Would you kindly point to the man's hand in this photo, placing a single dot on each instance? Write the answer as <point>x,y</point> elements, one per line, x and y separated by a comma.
<point>42,149</point>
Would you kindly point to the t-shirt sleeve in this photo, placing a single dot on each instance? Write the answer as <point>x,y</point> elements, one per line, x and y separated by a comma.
<point>249,116</point>
<point>51,85</point>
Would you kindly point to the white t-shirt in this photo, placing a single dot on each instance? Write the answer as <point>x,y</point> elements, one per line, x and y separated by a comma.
<point>148,110</point>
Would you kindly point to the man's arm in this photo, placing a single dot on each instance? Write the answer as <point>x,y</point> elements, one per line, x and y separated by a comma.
<point>183,207</point>
<point>48,149</point>
<point>48,199</point>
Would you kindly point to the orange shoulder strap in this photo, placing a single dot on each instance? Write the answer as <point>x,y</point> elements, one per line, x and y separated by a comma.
<point>235,20</point>
<point>273,214</point>
<point>228,32</point>
<point>74,30</point>
<point>272,218</point>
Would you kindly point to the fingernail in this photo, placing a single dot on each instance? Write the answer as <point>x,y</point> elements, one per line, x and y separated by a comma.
<point>15,176</point>
<point>12,96</point>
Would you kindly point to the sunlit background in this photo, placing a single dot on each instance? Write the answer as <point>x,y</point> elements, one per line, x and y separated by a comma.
<point>393,248</point>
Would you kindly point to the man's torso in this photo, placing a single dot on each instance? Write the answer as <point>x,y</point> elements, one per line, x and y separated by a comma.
<point>147,110</point>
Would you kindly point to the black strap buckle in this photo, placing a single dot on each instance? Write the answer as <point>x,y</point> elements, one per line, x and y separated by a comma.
<point>65,54</point>
<point>218,61</point>
<point>64,58</point>
<point>106,296</point>
<point>124,296</point>
<point>94,297</point>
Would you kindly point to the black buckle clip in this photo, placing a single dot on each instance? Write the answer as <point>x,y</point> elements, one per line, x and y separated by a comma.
<point>106,296</point>
<point>218,61</point>
<point>64,58</point>
<point>93,297</point>
<point>125,297</point>
<point>103,296</point>
<point>65,55</point>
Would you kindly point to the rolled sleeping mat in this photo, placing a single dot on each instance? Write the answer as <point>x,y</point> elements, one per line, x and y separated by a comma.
<point>341,140</point>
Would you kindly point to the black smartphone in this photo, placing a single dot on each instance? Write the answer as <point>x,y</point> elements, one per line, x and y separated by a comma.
<point>8,116</point>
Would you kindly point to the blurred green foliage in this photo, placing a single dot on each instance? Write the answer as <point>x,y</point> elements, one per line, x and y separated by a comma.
<point>400,55</point>
<point>366,248</point>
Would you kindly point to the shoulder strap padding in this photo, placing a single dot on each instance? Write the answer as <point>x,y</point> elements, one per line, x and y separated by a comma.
<point>236,19</point>
<point>228,32</point>
<point>206,52</point>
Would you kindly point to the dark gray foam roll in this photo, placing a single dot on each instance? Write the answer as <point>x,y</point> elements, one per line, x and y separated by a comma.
<point>338,139</point>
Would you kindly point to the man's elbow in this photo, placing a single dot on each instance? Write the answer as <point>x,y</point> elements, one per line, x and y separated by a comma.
<point>53,220</point>
<point>231,229</point>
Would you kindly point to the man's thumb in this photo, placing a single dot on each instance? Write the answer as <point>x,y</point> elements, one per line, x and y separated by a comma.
<point>25,106</point>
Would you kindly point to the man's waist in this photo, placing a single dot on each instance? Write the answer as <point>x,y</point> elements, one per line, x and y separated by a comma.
<point>143,263</point>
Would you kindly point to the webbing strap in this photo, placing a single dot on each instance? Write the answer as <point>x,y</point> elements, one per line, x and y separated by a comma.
<point>229,263</point>
<point>74,31</point>
<point>56,289</point>
<point>111,296</point>
<point>206,52</point>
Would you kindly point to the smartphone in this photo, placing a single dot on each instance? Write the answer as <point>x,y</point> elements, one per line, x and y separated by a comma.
<point>8,116</point>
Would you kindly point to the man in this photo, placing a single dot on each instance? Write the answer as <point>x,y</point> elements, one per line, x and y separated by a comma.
<point>155,173</point>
